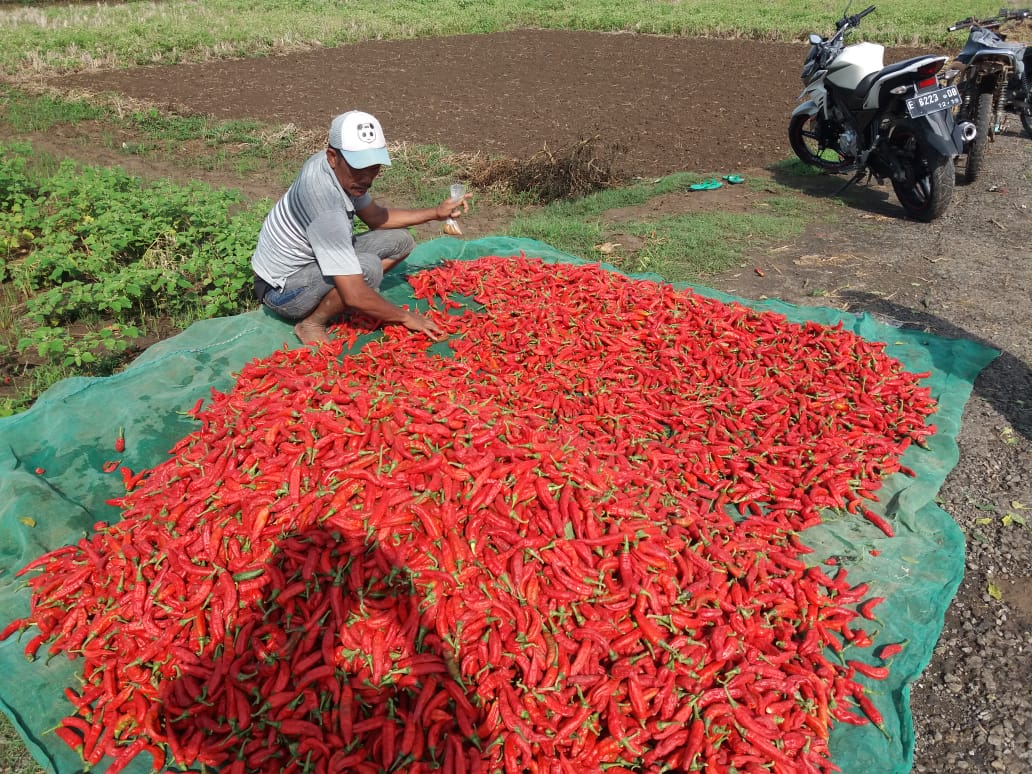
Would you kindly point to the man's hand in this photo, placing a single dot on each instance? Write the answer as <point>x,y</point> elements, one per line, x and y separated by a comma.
<point>353,293</point>
<point>453,208</point>
<point>415,321</point>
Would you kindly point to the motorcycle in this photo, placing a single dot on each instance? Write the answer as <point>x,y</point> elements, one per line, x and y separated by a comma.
<point>994,78</point>
<point>893,122</point>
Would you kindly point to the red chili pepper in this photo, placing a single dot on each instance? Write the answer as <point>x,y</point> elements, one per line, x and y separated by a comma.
<point>870,710</point>
<point>886,651</point>
<point>867,608</point>
<point>120,441</point>
<point>555,531</point>
<point>878,521</point>
<point>17,625</point>
<point>869,670</point>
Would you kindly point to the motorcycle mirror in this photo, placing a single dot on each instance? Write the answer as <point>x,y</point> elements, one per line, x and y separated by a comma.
<point>815,40</point>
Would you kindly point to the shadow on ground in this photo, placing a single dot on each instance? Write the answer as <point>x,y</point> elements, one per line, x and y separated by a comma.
<point>1002,384</point>
<point>865,194</point>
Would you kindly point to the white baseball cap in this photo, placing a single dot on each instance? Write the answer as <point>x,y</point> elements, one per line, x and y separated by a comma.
<point>359,138</point>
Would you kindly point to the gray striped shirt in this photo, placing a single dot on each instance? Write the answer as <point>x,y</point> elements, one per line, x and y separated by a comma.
<point>313,221</point>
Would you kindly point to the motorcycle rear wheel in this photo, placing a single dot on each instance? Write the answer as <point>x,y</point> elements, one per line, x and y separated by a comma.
<point>1026,112</point>
<point>930,177</point>
<point>976,149</point>
<point>805,137</point>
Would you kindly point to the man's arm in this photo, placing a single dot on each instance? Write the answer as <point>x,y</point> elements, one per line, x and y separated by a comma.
<point>358,296</point>
<point>376,216</point>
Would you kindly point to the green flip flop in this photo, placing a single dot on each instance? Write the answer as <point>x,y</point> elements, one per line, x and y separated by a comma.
<point>733,179</point>
<point>706,185</point>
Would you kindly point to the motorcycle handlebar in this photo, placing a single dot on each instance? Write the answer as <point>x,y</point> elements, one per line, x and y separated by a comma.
<point>854,20</point>
<point>985,24</point>
<point>1005,15</point>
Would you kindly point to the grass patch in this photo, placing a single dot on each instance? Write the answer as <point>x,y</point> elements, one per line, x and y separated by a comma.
<point>687,248</point>
<point>236,145</point>
<point>14,756</point>
<point>418,177</point>
<point>37,113</point>
<point>679,247</point>
<point>156,125</point>
<point>795,168</point>
<point>53,38</point>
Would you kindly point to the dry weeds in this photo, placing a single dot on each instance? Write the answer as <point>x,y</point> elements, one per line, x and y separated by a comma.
<point>569,172</point>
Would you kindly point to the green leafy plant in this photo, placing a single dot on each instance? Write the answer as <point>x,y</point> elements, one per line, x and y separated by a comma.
<point>99,252</point>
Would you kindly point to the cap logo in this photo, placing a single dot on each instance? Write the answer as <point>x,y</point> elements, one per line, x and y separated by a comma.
<point>366,132</point>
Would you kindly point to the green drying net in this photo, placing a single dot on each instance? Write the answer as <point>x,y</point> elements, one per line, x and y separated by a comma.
<point>53,489</point>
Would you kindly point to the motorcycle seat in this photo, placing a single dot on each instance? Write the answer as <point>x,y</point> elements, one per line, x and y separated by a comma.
<point>856,99</point>
<point>1007,50</point>
<point>983,42</point>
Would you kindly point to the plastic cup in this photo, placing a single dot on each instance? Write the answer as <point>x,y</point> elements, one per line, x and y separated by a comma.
<point>457,190</point>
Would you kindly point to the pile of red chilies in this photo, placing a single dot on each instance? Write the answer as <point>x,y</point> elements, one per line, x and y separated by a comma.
<point>571,546</point>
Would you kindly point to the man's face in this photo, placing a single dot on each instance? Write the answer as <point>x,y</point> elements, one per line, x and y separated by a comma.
<point>355,181</point>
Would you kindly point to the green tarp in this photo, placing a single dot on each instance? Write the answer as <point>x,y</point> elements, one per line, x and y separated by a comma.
<point>69,435</point>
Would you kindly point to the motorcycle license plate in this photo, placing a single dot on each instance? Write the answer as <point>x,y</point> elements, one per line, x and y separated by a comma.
<point>933,101</point>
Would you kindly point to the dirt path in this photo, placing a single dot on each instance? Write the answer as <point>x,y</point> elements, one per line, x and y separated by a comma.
<point>721,106</point>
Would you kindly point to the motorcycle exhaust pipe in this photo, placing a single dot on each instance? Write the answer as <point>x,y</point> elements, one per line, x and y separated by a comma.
<point>968,131</point>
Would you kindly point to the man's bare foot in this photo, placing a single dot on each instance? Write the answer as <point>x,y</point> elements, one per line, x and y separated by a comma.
<point>311,333</point>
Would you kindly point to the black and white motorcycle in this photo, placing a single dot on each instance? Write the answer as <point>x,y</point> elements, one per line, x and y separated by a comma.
<point>893,122</point>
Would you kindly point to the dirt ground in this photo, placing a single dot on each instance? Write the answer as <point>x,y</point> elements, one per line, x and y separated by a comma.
<point>703,105</point>
<point>715,107</point>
